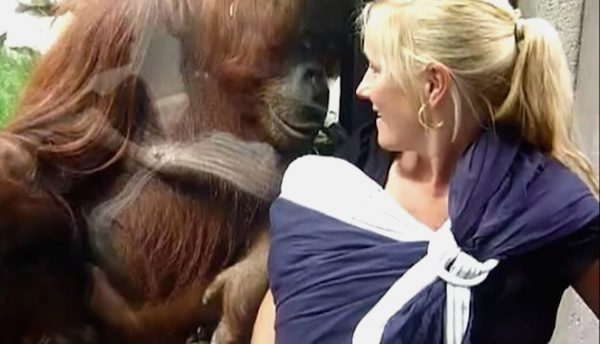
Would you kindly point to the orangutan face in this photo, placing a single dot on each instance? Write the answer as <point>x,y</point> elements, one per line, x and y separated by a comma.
<point>295,105</point>
<point>268,62</point>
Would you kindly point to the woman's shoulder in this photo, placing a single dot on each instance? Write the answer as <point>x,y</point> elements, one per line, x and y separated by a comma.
<point>574,253</point>
<point>560,263</point>
<point>518,301</point>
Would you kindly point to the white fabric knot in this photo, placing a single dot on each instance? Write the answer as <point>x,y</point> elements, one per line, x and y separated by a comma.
<point>461,272</point>
<point>444,260</point>
<point>464,270</point>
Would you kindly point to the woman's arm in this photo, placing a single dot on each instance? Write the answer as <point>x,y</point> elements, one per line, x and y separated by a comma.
<point>264,327</point>
<point>587,286</point>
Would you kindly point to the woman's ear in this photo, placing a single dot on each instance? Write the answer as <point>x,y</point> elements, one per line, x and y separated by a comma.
<point>437,84</point>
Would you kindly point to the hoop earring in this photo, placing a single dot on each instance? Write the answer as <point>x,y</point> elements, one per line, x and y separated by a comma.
<point>421,116</point>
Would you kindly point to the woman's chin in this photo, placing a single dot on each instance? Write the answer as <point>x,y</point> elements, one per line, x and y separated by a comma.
<point>386,139</point>
<point>383,131</point>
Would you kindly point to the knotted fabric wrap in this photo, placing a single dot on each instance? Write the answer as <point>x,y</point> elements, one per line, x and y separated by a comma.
<point>349,265</point>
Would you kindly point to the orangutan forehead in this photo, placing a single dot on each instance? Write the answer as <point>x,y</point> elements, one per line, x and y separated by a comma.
<point>325,25</point>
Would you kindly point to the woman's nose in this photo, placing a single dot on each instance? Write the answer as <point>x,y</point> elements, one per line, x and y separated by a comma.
<point>362,91</point>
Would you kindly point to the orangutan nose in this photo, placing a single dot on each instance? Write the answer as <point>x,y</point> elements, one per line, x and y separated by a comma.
<point>313,75</point>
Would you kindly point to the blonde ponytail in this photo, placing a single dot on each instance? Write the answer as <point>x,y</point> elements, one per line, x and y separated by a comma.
<point>540,99</point>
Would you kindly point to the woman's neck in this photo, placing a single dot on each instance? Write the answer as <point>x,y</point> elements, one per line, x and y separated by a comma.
<point>419,181</point>
<point>434,166</point>
<point>432,172</point>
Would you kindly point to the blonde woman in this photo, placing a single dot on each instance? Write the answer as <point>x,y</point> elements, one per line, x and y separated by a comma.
<point>464,215</point>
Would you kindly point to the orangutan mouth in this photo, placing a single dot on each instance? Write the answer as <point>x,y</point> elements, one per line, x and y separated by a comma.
<point>304,131</point>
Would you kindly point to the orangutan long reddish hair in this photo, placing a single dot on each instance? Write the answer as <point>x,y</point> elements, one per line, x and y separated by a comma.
<point>81,182</point>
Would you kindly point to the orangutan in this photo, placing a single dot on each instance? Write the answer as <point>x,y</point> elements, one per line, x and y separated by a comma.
<point>137,172</point>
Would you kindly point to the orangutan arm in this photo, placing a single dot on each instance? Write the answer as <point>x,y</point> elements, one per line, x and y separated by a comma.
<point>240,288</point>
<point>220,155</point>
<point>149,320</point>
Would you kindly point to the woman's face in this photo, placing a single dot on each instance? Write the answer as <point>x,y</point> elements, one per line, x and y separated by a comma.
<point>398,128</point>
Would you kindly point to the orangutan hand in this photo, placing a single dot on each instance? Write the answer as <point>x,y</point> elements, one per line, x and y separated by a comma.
<point>242,288</point>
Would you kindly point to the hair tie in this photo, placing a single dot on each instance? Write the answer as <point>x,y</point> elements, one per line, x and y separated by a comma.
<point>519,32</point>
